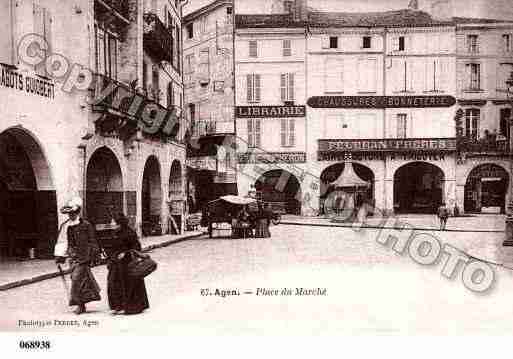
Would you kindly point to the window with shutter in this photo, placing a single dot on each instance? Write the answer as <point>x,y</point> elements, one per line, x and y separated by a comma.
<point>333,42</point>
<point>401,125</point>
<point>333,75</point>
<point>253,48</point>
<point>250,133</point>
<point>472,117</point>
<point>256,87</point>
<point>283,87</point>
<point>472,44</point>
<point>292,132</point>
<point>401,43</point>
<point>287,48</point>
<point>367,75</point>
<point>7,35</point>
<point>506,42</point>
<point>430,75</point>
<point>257,130</point>
<point>284,132</point>
<point>249,87</point>
<point>475,77</point>
<point>287,87</point>
<point>291,87</point>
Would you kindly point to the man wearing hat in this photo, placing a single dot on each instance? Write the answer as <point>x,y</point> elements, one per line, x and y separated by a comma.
<point>78,242</point>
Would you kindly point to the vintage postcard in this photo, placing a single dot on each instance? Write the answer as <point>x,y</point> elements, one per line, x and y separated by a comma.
<point>244,167</point>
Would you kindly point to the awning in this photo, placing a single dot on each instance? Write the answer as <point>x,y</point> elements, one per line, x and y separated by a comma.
<point>348,178</point>
<point>237,199</point>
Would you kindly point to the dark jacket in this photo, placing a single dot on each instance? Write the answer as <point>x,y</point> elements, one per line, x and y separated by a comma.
<point>82,243</point>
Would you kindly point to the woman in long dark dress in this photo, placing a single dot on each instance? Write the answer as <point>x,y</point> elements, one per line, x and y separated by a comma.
<point>125,293</point>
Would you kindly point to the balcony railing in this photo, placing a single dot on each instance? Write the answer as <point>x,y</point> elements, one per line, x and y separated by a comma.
<point>212,128</point>
<point>489,144</point>
<point>158,41</point>
<point>119,6</point>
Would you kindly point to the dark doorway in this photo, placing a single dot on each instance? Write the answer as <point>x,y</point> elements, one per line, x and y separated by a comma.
<point>486,188</point>
<point>280,186</point>
<point>418,188</point>
<point>151,198</point>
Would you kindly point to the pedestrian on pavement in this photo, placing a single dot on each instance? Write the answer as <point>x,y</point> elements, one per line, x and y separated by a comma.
<point>126,294</point>
<point>77,241</point>
<point>443,214</point>
<point>262,222</point>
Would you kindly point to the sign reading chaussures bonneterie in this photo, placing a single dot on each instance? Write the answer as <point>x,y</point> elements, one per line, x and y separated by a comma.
<point>380,101</point>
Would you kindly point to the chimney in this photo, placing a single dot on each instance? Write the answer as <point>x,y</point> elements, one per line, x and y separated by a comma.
<point>413,5</point>
<point>300,11</point>
<point>441,9</point>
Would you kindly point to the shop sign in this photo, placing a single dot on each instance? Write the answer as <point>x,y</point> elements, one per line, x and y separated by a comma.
<point>203,163</point>
<point>380,101</point>
<point>381,156</point>
<point>15,80</point>
<point>272,157</point>
<point>269,111</point>
<point>388,145</point>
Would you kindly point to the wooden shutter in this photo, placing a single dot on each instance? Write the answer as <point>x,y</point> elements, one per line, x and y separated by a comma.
<point>6,39</point>
<point>253,48</point>
<point>410,76</point>
<point>292,132</point>
<point>291,87</point>
<point>283,87</point>
<point>256,85</point>
<point>428,75</point>
<point>325,42</point>
<point>395,43</point>
<point>249,87</point>
<point>287,48</point>
<point>257,132</point>
<point>39,28</point>
<point>250,133</point>
<point>283,132</point>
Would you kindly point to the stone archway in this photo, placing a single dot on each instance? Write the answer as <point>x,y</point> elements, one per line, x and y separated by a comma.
<point>486,188</point>
<point>418,188</point>
<point>28,210</point>
<point>280,186</point>
<point>104,186</point>
<point>151,198</point>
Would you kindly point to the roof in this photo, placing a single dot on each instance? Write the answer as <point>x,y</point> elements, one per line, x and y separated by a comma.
<point>205,9</point>
<point>323,19</point>
<point>396,18</point>
<point>266,21</point>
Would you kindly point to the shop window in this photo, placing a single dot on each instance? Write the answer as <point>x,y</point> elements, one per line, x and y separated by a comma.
<point>287,87</point>
<point>472,117</point>
<point>288,132</point>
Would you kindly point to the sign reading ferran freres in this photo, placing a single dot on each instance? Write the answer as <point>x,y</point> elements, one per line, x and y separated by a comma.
<point>388,144</point>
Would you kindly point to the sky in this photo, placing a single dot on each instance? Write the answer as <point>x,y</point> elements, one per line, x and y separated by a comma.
<point>499,9</point>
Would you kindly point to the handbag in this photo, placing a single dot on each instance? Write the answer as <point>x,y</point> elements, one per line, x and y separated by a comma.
<point>140,265</point>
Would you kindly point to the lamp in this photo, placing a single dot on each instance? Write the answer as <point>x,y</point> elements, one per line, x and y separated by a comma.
<point>508,241</point>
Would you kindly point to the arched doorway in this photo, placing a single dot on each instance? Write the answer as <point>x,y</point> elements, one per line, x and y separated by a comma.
<point>280,186</point>
<point>104,186</point>
<point>332,172</point>
<point>176,202</point>
<point>418,188</point>
<point>486,188</point>
<point>151,198</point>
<point>28,209</point>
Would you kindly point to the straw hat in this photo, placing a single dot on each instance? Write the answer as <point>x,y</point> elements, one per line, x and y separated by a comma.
<point>73,205</point>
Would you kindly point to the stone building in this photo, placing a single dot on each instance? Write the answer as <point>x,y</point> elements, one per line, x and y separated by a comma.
<point>83,104</point>
<point>383,92</point>
<point>209,102</point>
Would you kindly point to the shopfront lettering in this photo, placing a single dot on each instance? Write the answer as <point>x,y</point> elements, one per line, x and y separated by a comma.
<point>388,145</point>
<point>11,78</point>
<point>272,157</point>
<point>269,111</point>
<point>380,101</point>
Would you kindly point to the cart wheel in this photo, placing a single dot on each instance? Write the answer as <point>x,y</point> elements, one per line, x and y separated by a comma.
<point>276,220</point>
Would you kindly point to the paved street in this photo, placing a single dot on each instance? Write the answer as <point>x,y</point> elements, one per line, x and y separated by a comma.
<point>369,289</point>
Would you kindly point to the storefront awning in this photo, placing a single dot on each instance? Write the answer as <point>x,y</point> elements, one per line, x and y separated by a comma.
<point>348,178</point>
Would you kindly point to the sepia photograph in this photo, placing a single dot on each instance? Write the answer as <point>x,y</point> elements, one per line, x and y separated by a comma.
<point>255,167</point>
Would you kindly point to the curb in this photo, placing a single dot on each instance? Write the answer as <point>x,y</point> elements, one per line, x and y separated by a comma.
<point>51,275</point>
<point>389,227</point>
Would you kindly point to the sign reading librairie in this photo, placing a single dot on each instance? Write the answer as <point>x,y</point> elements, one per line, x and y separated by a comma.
<point>388,144</point>
<point>272,157</point>
<point>380,101</point>
<point>269,111</point>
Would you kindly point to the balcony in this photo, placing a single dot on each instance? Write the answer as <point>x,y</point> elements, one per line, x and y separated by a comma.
<point>212,128</point>
<point>490,144</point>
<point>119,8</point>
<point>120,118</point>
<point>158,41</point>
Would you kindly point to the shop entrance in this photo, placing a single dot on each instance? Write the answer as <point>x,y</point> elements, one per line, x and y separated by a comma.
<point>485,189</point>
<point>176,201</point>
<point>151,198</point>
<point>280,186</point>
<point>28,209</point>
<point>418,188</point>
<point>104,196</point>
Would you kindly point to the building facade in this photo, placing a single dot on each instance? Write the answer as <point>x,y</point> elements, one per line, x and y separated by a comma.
<point>385,92</point>
<point>85,116</point>
<point>209,102</point>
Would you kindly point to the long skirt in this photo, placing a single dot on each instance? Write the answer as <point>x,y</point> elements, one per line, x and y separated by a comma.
<point>125,292</point>
<point>262,228</point>
<point>84,288</point>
